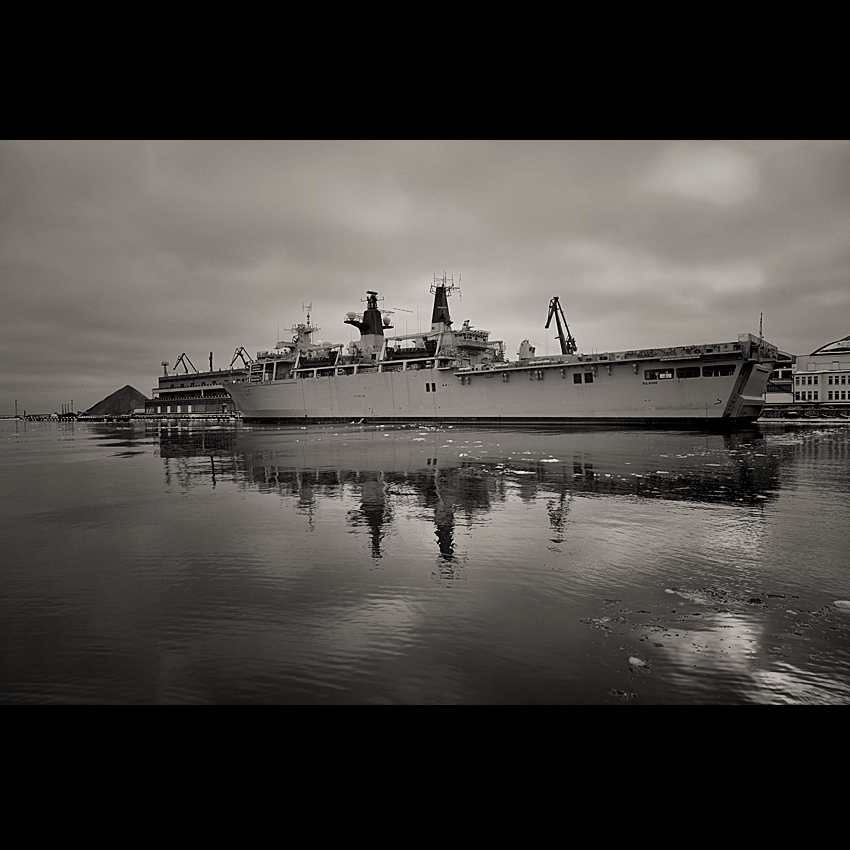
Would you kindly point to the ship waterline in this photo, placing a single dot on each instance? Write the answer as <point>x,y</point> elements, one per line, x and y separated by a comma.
<point>460,376</point>
<point>638,392</point>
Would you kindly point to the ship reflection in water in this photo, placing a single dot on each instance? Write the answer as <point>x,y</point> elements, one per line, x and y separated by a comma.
<point>448,473</point>
<point>665,566</point>
<point>375,564</point>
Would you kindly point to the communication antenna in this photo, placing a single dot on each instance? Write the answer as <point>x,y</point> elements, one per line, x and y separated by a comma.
<point>401,309</point>
<point>447,282</point>
<point>164,365</point>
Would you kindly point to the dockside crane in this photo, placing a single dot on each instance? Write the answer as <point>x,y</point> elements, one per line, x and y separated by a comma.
<point>240,352</point>
<point>184,359</point>
<point>568,344</point>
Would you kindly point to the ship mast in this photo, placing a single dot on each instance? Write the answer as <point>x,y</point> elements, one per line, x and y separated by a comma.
<point>441,289</point>
<point>568,344</point>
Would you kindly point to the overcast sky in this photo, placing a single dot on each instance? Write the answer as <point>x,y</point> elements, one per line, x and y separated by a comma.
<point>116,256</point>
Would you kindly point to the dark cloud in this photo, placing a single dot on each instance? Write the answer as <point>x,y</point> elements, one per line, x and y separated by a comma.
<point>117,255</point>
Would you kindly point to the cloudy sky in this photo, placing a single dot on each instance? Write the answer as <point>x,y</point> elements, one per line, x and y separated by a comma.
<point>116,256</point>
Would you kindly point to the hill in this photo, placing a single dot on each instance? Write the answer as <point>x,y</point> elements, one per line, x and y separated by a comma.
<point>120,403</point>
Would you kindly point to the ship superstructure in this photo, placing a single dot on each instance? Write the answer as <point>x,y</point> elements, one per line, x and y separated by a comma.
<point>460,375</point>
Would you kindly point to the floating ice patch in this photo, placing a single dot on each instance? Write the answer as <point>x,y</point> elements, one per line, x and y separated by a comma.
<point>418,440</point>
<point>843,604</point>
<point>636,662</point>
<point>549,460</point>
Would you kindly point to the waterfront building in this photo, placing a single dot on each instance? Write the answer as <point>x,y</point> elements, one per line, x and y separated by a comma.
<point>193,395</point>
<point>823,377</point>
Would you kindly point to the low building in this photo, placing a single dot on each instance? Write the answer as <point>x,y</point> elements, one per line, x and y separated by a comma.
<point>822,378</point>
<point>194,394</point>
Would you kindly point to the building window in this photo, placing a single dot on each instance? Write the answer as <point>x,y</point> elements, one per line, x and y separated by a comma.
<point>816,379</point>
<point>816,395</point>
<point>188,408</point>
<point>796,396</point>
<point>829,396</point>
<point>168,408</point>
<point>159,408</point>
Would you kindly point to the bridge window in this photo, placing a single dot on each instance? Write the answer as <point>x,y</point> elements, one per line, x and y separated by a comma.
<point>657,374</point>
<point>688,372</point>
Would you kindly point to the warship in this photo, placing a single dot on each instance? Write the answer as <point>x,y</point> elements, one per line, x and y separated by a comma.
<point>460,375</point>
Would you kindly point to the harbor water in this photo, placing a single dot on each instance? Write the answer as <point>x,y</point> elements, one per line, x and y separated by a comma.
<point>188,563</point>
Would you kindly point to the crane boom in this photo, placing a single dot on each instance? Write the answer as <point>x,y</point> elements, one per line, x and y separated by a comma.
<point>184,359</point>
<point>568,344</point>
<point>240,352</point>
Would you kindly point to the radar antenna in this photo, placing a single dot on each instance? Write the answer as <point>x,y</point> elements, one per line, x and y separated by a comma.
<point>448,283</point>
<point>568,344</point>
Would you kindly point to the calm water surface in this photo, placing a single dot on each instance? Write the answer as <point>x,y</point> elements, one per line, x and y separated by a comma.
<point>352,564</point>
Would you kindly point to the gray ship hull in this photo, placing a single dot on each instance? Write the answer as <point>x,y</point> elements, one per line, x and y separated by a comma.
<point>720,385</point>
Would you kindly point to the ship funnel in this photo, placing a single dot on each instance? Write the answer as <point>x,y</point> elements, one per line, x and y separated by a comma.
<point>441,308</point>
<point>371,323</point>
